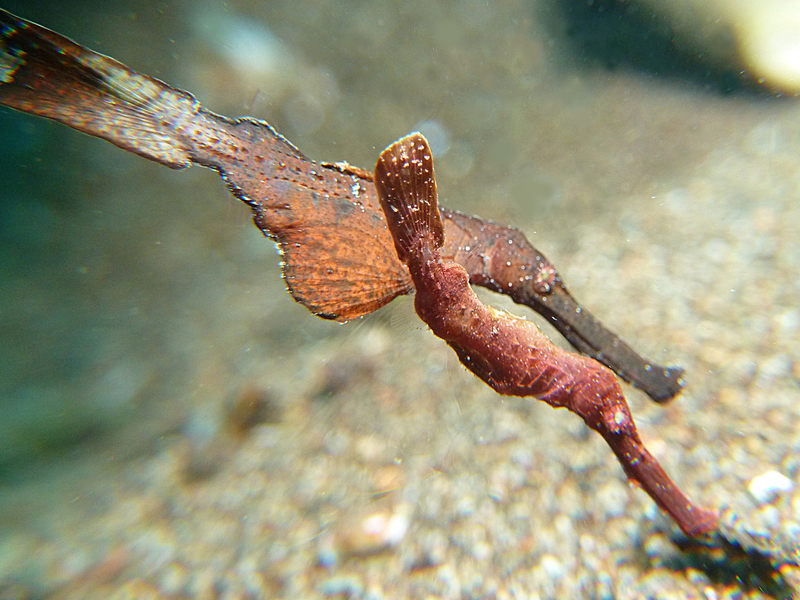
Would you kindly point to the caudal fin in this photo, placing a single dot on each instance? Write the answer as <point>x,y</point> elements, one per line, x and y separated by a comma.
<point>406,187</point>
<point>44,73</point>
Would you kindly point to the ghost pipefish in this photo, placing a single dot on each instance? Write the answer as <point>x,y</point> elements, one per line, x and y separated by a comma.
<point>510,354</point>
<point>338,256</point>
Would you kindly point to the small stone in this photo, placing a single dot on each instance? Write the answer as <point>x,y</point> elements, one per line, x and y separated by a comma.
<point>765,488</point>
<point>349,587</point>
<point>552,566</point>
<point>769,517</point>
<point>371,532</point>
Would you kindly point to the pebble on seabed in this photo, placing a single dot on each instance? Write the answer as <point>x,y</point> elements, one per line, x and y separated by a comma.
<point>768,486</point>
<point>369,532</point>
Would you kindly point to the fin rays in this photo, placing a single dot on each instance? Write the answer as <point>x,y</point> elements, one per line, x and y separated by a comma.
<point>407,189</point>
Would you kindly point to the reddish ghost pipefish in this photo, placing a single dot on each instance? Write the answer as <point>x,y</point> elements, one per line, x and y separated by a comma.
<point>510,354</point>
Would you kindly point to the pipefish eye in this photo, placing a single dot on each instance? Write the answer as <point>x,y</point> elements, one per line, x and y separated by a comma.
<point>545,278</point>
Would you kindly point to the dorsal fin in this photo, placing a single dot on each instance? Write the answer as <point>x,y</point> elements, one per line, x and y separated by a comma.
<point>406,186</point>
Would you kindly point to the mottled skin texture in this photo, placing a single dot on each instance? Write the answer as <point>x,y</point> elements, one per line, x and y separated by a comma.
<point>509,353</point>
<point>338,259</point>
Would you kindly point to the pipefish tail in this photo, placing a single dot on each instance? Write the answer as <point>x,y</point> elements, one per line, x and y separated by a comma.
<point>338,258</point>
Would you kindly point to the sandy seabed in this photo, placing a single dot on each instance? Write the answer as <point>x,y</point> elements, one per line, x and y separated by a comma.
<point>174,425</point>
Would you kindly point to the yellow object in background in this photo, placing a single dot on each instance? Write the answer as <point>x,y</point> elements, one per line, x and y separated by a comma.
<point>764,33</point>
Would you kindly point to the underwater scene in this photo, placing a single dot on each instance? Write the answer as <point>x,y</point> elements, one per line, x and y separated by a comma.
<point>273,384</point>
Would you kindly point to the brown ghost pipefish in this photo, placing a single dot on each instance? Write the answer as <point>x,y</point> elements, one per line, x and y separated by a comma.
<point>510,354</point>
<point>338,257</point>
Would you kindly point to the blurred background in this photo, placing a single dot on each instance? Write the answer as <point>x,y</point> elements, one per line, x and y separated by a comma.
<point>158,386</point>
